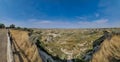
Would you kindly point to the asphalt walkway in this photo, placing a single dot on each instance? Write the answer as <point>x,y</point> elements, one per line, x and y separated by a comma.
<point>3,45</point>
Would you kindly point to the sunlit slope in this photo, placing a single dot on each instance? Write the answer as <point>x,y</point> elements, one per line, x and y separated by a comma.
<point>109,51</point>
<point>24,50</point>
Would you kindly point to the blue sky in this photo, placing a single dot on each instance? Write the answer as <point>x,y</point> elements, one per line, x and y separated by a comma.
<point>60,13</point>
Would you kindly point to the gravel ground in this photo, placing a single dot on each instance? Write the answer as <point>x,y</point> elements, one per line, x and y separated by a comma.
<point>3,45</point>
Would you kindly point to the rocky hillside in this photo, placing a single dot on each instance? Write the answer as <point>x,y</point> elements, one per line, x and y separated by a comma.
<point>23,49</point>
<point>68,43</point>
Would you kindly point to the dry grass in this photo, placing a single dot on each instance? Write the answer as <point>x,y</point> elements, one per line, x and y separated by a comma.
<point>109,51</point>
<point>24,50</point>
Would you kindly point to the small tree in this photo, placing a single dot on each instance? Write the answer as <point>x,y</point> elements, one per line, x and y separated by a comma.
<point>2,25</point>
<point>12,26</point>
<point>18,27</point>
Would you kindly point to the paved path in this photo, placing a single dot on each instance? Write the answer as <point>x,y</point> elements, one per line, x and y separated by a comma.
<point>9,49</point>
<point>3,45</point>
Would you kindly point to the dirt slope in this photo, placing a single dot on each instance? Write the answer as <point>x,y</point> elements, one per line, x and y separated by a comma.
<point>109,51</point>
<point>24,50</point>
<point>3,45</point>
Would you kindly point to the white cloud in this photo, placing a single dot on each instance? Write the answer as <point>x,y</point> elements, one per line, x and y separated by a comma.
<point>8,22</point>
<point>49,23</point>
<point>97,14</point>
<point>81,18</point>
<point>94,24</point>
<point>36,23</point>
<point>44,22</point>
<point>99,21</point>
<point>68,24</point>
<point>84,22</point>
<point>39,21</point>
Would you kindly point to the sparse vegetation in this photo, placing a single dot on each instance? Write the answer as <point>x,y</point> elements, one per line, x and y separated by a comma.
<point>71,43</point>
<point>68,44</point>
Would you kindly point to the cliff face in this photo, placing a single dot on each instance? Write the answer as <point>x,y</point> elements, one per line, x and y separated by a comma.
<point>109,50</point>
<point>23,49</point>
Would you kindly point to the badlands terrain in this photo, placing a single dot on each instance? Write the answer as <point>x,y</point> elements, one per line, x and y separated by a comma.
<point>60,45</point>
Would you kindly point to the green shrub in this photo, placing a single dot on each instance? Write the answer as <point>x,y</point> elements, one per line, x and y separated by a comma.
<point>2,25</point>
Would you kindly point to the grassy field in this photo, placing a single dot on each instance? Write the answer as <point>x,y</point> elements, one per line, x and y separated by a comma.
<point>24,50</point>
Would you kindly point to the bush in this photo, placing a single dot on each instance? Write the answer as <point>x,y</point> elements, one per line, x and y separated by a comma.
<point>29,30</point>
<point>18,28</point>
<point>2,26</point>
<point>12,26</point>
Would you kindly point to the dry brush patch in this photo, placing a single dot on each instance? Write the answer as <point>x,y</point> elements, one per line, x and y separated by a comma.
<point>109,51</point>
<point>24,50</point>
